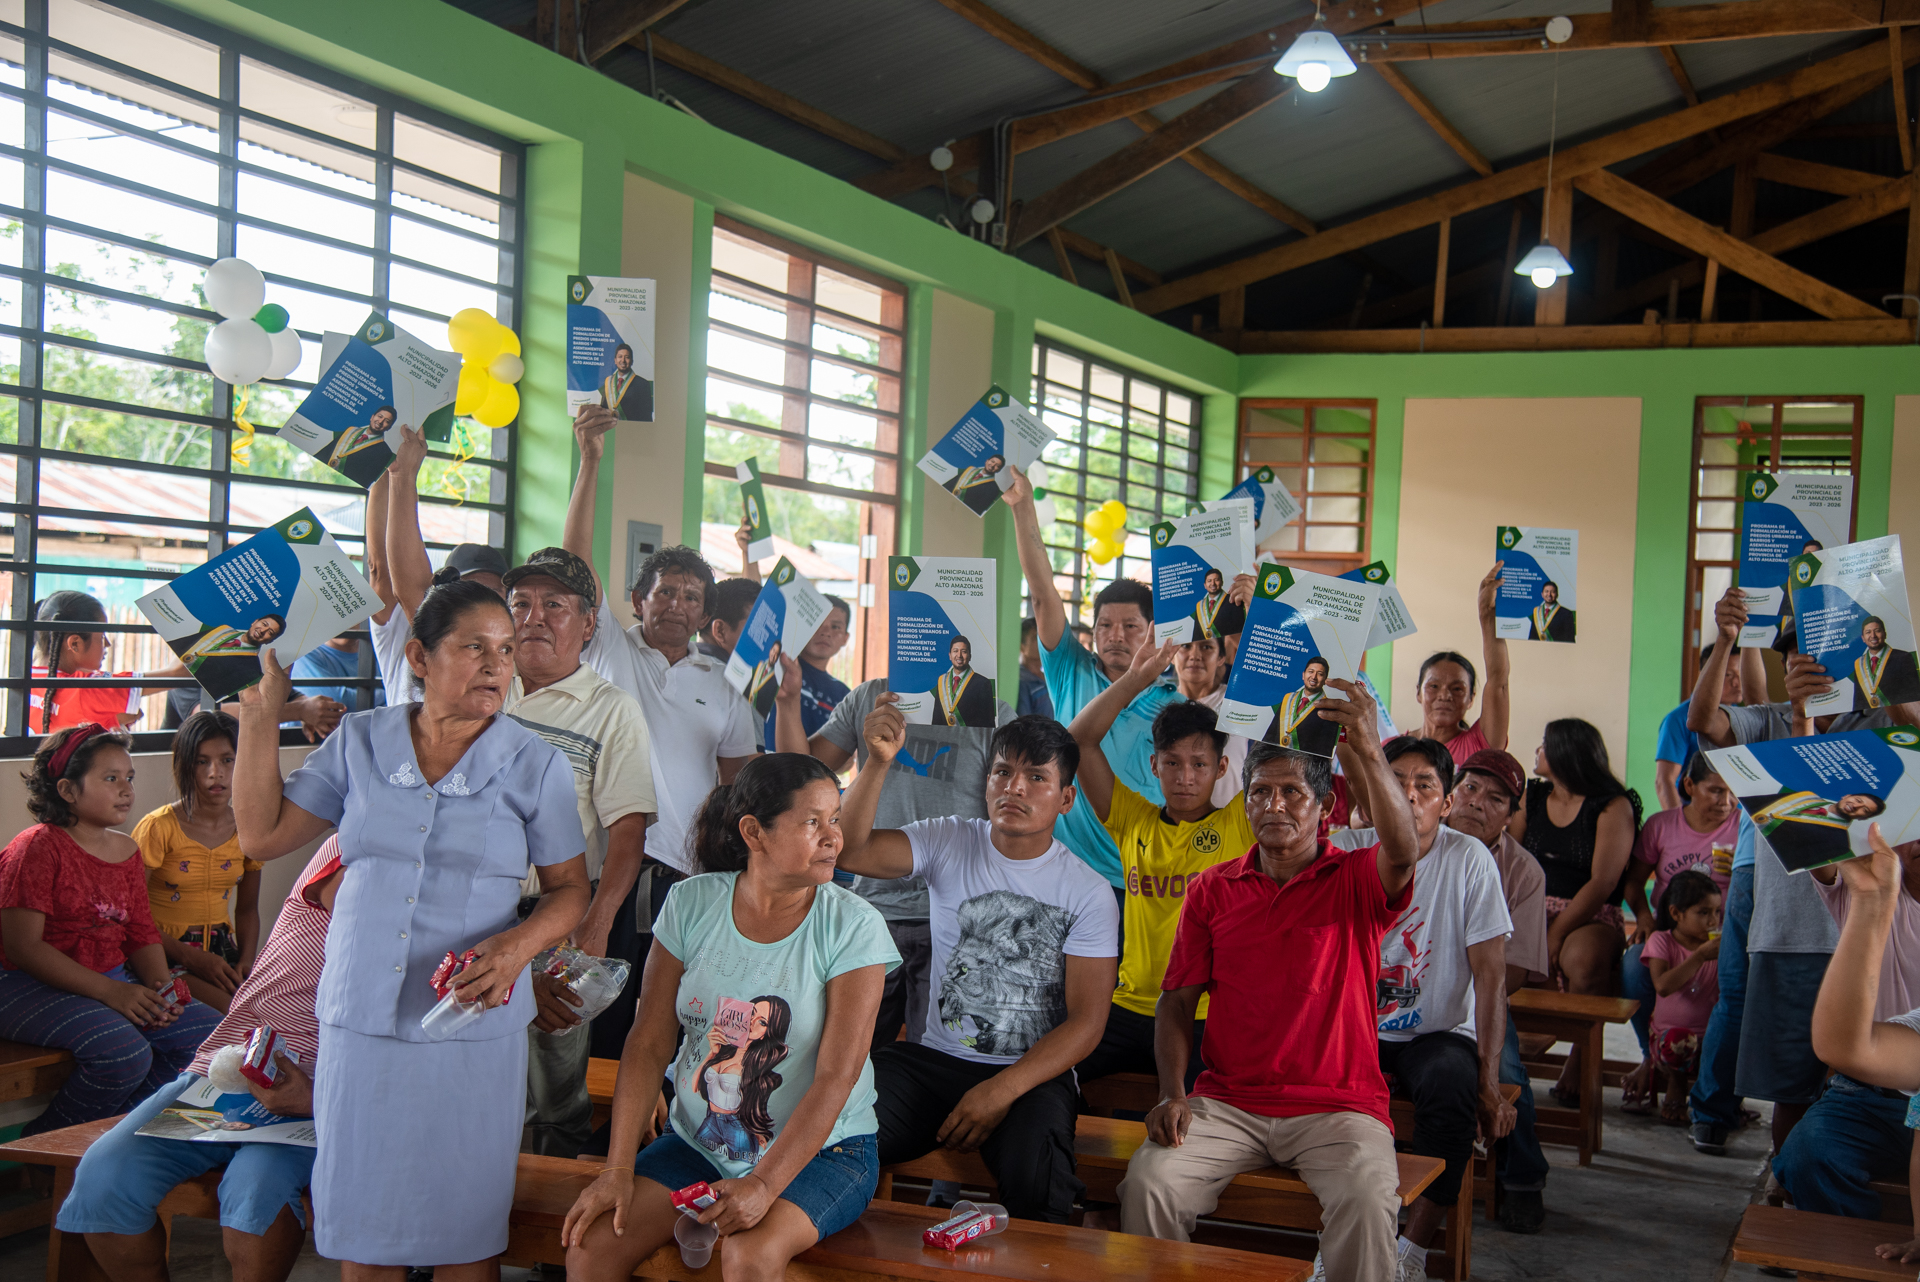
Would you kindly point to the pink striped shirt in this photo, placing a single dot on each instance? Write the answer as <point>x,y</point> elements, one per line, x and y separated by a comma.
<point>286,974</point>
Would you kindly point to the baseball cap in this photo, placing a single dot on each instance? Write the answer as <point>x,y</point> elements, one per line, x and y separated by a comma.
<point>560,565</point>
<point>1499,765</point>
<point>477,558</point>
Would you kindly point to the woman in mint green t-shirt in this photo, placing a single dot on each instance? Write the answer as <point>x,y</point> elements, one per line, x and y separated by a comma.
<point>774,974</point>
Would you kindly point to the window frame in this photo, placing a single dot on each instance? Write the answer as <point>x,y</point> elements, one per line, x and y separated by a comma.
<point>1693,606</point>
<point>878,511</point>
<point>1301,557</point>
<point>35,335</point>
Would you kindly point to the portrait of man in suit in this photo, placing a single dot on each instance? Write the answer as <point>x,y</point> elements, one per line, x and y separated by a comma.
<point>1807,830</point>
<point>629,396</point>
<point>1883,675</point>
<point>1294,722</point>
<point>975,486</point>
<point>1550,620</point>
<point>966,697</point>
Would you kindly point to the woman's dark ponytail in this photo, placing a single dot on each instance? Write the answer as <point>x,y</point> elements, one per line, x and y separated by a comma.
<point>764,788</point>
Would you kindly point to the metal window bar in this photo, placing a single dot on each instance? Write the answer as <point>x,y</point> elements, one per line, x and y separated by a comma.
<point>38,98</point>
<point>1263,442</point>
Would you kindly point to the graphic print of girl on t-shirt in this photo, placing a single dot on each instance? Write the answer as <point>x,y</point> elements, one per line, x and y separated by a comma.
<point>746,1043</point>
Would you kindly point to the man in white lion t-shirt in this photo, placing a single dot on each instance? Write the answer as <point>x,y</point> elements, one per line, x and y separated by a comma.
<point>1025,955</point>
<point>1442,1000</point>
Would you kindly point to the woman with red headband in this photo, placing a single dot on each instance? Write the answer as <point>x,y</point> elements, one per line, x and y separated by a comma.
<point>80,957</point>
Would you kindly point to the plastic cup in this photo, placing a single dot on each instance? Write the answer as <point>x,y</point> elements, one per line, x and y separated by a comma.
<point>696,1241</point>
<point>449,1016</point>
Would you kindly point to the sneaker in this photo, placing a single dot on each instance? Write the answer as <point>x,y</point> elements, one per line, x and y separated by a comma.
<point>1319,1268</point>
<point>1413,1263</point>
<point>1521,1212</point>
<point>1708,1138</point>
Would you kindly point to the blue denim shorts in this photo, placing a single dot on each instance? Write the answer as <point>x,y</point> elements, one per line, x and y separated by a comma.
<point>832,1189</point>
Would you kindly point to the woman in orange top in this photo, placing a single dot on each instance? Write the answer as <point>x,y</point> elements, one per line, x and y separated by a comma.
<point>204,894</point>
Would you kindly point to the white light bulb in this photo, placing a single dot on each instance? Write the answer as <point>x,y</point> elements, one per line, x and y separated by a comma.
<point>1543,277</point>
<point>1314,76</point>
<point>981,211</point>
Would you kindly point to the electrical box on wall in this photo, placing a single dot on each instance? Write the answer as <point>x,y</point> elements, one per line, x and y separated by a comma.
<point>643,540</point>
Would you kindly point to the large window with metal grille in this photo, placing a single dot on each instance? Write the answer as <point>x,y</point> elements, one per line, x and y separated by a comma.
<point>1322,451</point>
<point>1122,436</point>
<point>1737,434</point>
<point>136,147</point>
<point>803,374</point>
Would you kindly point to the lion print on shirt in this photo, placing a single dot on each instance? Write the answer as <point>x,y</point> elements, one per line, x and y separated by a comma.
<point>1007,974</point>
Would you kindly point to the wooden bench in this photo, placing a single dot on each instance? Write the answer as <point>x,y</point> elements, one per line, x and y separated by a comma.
<point>26,1071</point>
<point>1582,1020</point>
<point>885,1243</point>
<point>1274,1196</point>
<point>1816,1246</point>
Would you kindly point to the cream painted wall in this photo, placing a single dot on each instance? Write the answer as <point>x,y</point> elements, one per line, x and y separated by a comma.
<point>1567,464</point>
<point>650,459</point>
<point>1903,481</point>
<point>959,371</point>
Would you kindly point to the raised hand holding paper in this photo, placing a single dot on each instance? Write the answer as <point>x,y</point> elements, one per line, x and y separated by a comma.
<point>1814,799</point>
<point>1850,615</point>
<point>940,656</point>
<point>971,460</point>
<point>289,587</point>
<point>753,500</point>
<point>372,382</point>
<point>1539,587</point>
<point>1784,515</point>
<point>1273,506</point>
<point>786,614</point>
<point>1195,557</point>
<point>1392,622</point>
<point>1302,629</point>
<point>610,345</point>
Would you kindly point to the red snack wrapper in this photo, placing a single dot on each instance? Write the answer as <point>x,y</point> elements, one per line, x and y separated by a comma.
<point>175,992</point>
<point>257,1063</point>
<point>450,966</point>
<point>695,1198</point>
<point>950,1234</point>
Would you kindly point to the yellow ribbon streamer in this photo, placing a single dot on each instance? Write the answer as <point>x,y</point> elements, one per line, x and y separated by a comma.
<point>463,449</point>
<point>243,448</point>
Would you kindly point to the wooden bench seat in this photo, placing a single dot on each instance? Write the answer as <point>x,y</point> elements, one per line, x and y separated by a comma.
<point>885,1243</point>
<point>1582,1020</point>
<point>1817,1246</point>
<point>26,1071</point>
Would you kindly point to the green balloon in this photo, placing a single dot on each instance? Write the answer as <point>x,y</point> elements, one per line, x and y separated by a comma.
<point>273,318</point>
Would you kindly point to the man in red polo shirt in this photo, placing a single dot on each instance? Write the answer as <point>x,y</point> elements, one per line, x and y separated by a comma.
<point>1286,943</point>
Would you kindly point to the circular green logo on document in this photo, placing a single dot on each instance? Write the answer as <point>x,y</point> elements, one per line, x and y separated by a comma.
<point>1160,535</point>
<point>1903,738</point>
<point>376,331</point>
<point>1376,575</point>
<point>1803,574</point>
<point>1271,584</point>
<point>901,576</point>
<point>299,530</point>
<point>579,291</point>
<point>1759,488</point>
<point>1509,537</point>
<point>783,576</point>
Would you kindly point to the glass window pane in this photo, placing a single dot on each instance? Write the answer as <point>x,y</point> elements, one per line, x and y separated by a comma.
<point>320,108</point>
<point>415,193</point>
<point>744,356</point>
<point>147,46</point>
<point>749,260</point>
<point>747,404</point>
<point>839,467</point>
<point>286,152</point>
<point>1064,369</point>
<point>137,272</point>
<point>409,286</point>
<point>314,313</point>
<point>79,314</point>
<point>133,491</point>
<point>828,337</point>
<point>419,143</point>
<point>827,422</point>
<point>306,210</point>
<point>747,313</point>
<point>83,201</point>
<point>116,378</point>
<point>844,384</point>
<point>429,244</point>
<point>853,297</point>
<point>105,150</point>
<point>278,254</point>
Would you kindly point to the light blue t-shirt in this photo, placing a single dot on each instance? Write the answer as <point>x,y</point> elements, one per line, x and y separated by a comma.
<point>1677,743</point>
<point>1743,845</point>
<point>1074,678</point>
<point>753,1015</point>
<point>322,662</point>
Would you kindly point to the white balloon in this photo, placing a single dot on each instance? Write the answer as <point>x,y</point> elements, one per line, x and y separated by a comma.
<point>1045,510</point>
<point>507,368</point>
<point>239,351</point>
<point>1038,475</point>
<point>235,288</point>
<point>287,353</point>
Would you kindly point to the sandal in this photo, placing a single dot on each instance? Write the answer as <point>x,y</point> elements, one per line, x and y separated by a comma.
<point>1568,1098</point>
<point>1673,1111</point>
<point>1636,1091</point>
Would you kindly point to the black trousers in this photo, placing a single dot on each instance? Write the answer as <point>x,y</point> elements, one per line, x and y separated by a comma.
<point>1440,1073</point>
<point>1030,1153</point>
<point>903,1001</point>
<point>1127,1047</point>
<point>631,938</point>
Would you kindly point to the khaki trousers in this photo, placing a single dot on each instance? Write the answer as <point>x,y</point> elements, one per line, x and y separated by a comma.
<point>1345,1158</point>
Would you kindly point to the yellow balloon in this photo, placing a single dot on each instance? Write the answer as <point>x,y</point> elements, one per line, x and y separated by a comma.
<point>1103,551</point>
<point>1101,523</point>
<point>509,341</point>
<point>501,406</point>
<point>507,367</point>
<point>483,347</point>
<point>475,384</point>
<point>468,325</point>
<point>1118,509</point>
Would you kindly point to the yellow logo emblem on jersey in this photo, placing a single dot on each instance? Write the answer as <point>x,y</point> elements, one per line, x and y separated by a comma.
<point>1206,841</point>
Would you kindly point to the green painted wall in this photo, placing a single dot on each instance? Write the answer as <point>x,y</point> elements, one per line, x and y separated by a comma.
<point>1666,383</point>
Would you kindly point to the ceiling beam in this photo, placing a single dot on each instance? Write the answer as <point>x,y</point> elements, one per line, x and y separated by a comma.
<point>1885,331</point>
<point>1018,38</point>
<point>1688,24</point>
<point>1609,149</point>
<point>1731,252</point>
<point>1679,73</point>
<point>1087,247</point>
<point>608,24</point>
<point>1145,154</point>
<point>1437,122</point>
<point>785,104</point>
<point>1814,176</point>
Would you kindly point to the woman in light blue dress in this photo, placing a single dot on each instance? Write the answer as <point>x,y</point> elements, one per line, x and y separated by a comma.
<point>441,806</point>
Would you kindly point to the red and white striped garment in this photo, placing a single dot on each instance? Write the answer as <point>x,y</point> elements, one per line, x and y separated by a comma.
<point>285,975</point>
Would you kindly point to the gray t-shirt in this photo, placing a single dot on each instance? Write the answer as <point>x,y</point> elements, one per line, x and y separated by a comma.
<point>941,772</point>
<point>1788,913</point>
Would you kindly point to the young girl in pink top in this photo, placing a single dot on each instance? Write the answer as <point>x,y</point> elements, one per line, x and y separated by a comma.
<point>1683,958</point>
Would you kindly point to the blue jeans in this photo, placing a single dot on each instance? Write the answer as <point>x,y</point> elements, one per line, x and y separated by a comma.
<point>832,1188</point>
<point>1853,1134</point>
<point>1712,1099</point>
<point>123,1176</point>
<point>1519,1165</point>
<point>1636,984</point>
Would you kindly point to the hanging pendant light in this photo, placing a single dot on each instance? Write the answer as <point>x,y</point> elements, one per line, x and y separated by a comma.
<point>1544,263</point>
<point>1315,57</point>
